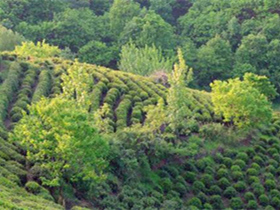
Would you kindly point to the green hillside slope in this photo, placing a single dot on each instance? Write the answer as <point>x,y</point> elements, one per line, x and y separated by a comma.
<point>152,173</point>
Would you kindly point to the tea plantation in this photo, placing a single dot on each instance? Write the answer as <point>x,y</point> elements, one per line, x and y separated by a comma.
<point>144,175</point>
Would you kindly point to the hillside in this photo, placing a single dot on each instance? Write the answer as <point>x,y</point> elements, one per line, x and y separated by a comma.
<point>149,174</point>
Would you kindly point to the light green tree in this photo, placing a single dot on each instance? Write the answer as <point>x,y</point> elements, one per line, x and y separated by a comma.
<point>77,83</point>
<point>9,39</point>
<point>242,102</point>
<point>39,50</point>
<point>143,61</point>
<point>178,97</point>
<point>60,137</point>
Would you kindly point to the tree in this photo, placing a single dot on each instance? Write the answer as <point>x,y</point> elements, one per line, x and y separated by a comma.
<point>97,52</point>
<point>149,29</point>
<point>253,51</point>
<point>59,136</point>
<point>9,39</point>
<point>121,12</point>
<point>163,8</point>
<point>178,97</point>
<point>143,61</point>
<point>241,102</point>
<point>30,11</point>
<point>75,28</point>
<point>77,83</point>
<point>39,50</point>
<point>214,61</point>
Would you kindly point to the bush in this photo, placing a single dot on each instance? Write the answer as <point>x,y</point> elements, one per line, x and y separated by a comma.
<point>195,202</point>
<point>237,176</point>
<point>240,186</point>
<point>256,166</point>
<point>264,200</point>
<point>223,183</point>
<point>274,193</point>
<point>253,179</point>
<point>270,184</point>
<point>216,202</point>
<point>202,197</point>
<point>33,187</point>
<point>236,203</point>
<point>252,172</point>
<point>215,190</point>
<point>271,169</point>
<point>230,192</point>
<point>227,161</point>
<point>240,163</point>
<point>242,156</point>
<point>207,179</point>
<point>207,206</point>
<point>252,204</point>
<point>166,184</point>
<point>249,196</point>
<point>275,202</point>
<point>198,187</point>
<point>258,189</point>
<point>258,160</point>
<point>222,173</point>
<point>235,168</point>
<point>190,177</point>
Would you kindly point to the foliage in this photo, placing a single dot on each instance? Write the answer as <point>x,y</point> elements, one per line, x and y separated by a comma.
<point>62,147</point>
<point>97,53</point>
<point>240,102</point>
<point>40,50</point>
<point>178,95</point>
<point>143,61</point>
<point>9,39</point>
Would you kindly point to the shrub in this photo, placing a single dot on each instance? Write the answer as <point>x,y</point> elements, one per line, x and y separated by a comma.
<point>275,202</point>
<point>253,179</point>
<point>274,193</point>
<point>198,187</point>
<point>209,170</point>
<point>236,203</point>
<point>256,166</point>
<point>231,153</point>
<point>222,173</point>
<point>223,183</point>
<point>258,189</point>
<point>202,197</point>
<point>258,160</point>
<point>240,186</point>
<point>252,172</point>
<point>273,163</point>
<point>166,184</point>
<point>227,161</point>
<point>190,177</point>
<point>235,168</point>
<point>249,196</point>
<point>230,192</point>
<point>242,156</point>
<point>271,169</point>
<point>216,202</point>
<point>264,201</point>
<point>237,175</point>
<point>201,164</point>
<point>240,163</point>
<point>195,202</point>
<point>270,184</point>
<point>180,188</point>
<point>252,204</point>
<point>207,179</point>
<point>33,187</point>
<point>207,206</point>
<point>215,190</point>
